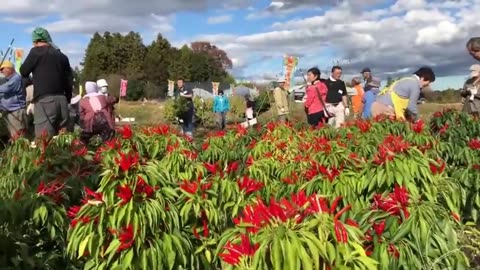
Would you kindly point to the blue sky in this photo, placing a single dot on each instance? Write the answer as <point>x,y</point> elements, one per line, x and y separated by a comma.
<point>392,37</point>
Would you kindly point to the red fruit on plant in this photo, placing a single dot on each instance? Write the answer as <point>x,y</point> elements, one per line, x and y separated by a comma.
<point>438,168</point>
<point>189,187</point>
<point>126,132</point>
<point>474,144</point>
<point>379,228</point>
<point>143,188</point>
<point>455,216</point>
<point>249,185</point>
<point>205,146</point>
<point>418,126</point>
<point>352,223</point>
<point>125,193</point>
<point>233,167</point>
<point>92,196</point>
<point>127,161</point>
<point>234,252</point>
<point>126,238</point>
<point>73,211</point>
<point>211,168</point>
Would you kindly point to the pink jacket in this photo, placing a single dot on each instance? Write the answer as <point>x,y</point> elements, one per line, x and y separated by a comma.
<point>313,103</point>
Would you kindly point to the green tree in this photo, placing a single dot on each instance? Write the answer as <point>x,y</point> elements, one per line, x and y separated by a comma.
<point>180,66</point>
<point>157,61</point>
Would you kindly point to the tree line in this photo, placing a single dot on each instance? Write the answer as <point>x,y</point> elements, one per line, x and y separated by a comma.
<point>114,56</point>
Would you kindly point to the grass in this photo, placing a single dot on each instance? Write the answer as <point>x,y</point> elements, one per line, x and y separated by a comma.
<point>150,113</point>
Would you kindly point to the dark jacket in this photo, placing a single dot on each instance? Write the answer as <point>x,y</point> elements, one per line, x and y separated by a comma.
<point>52,74</point>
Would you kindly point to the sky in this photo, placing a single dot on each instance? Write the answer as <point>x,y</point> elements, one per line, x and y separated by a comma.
<point>392,37</point>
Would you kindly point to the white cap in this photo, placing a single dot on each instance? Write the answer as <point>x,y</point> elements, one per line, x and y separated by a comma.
<point>102,83</point>
<point>281,80</point>
<point>75,99</point>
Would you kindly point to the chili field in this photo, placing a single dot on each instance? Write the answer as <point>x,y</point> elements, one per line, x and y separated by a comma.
<point>376,194</point>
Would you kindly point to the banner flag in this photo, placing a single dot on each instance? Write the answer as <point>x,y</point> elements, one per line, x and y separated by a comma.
<point>80,90</point>
<point>123,88</point>
<point>18,59</point>
<point>171,88</point>
<point>215,86</point>
<point>290,64</point>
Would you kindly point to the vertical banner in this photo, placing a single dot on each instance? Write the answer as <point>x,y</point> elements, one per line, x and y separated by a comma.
<point>215,86</point>
<point>80,90</point>
<point>18,59</point>
<point>290,64</point>
<point>123,88</point>
<point>171,88</point>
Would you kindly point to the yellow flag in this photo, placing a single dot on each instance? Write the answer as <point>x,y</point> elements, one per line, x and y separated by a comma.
<point>80,90</point>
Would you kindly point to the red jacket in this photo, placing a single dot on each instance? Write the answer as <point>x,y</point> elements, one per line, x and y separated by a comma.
<point>313,103</point>
<point>87,113</point>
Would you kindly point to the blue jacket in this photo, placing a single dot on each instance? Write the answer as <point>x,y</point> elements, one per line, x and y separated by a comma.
<point>12,94</point>
<point>368,99</point>
<point>221,104</point>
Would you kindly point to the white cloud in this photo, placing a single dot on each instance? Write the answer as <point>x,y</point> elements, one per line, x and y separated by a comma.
<point>391,40</point>
<point>220,19</point>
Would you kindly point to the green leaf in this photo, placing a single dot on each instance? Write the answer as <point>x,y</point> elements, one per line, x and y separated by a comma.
<point>83,245</point>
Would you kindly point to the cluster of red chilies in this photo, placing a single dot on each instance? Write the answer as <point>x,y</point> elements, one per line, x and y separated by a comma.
<point>259,215</point>
<point>391,146</point>
<point>396,204</point>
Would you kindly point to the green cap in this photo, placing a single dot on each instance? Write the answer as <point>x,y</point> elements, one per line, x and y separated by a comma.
<point>41,34</point>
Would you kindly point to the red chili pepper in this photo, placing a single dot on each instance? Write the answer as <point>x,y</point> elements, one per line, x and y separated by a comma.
<point>338,234</point>
<point>334,204</point>
<point>339,214</point>
<point>344,234</point>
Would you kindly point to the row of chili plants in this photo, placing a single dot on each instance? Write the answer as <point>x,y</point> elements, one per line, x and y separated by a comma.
<point>373,195</point>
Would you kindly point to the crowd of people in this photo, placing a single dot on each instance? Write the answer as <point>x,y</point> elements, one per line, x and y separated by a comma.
<point>326,100</point>
<point>40,96</point>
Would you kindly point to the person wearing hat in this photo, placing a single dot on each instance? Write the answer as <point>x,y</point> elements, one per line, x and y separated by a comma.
<point>371,91</point>
<point>13,100</point>
<point>367,75</point>
<point>96,114</point>
<point>357,99</point>
<point>221,106</point>
<point>400,100</point>
<point>471,92</point>
<point>102,86</point>
<point>281,100</point>
<point>52,81</point>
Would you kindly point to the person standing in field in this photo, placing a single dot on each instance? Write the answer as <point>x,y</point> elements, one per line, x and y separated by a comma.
<point>316,93</point>
<point>281,100</point>
<point>102,87</point>
<point>337,100</point>
<point>357,99</point>
<point>371,91</point>
<point>189,113</point>
<point>52,81</point>
<point>367,75</point>
<point>471,92</point>
<point>221,106</point>
<point>13,101</point>
<point>400,99</point>
<point>96,114</point>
